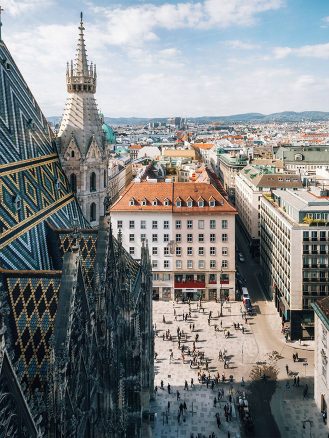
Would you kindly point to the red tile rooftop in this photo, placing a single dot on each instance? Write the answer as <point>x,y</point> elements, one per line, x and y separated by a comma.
<point>163,196</point>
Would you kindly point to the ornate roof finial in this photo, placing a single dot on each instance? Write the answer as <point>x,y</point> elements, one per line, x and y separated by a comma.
<point>81,58</point>
<point>1,10</point>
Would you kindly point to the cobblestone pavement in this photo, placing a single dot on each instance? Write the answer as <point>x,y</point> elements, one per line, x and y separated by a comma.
<point>241,349</point>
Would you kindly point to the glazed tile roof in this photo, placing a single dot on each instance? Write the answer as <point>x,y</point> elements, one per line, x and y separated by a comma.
<point>144,195</point>
<point>32,297</point>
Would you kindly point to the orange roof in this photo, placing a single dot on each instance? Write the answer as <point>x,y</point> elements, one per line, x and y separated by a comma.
<point>205,146</point>
<point>172,191</point>
<point>135,146</point>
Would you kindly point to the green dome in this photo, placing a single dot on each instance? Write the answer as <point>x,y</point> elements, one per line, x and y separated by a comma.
<point>109,133</point>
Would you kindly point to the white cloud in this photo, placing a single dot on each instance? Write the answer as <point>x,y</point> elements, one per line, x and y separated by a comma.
<point>136,24</point>
<point>320,51</point>
<point>243,45</point>
<point>16,7</point>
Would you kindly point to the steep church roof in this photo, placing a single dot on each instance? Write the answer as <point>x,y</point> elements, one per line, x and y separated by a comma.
<point>33,187</point>
<point>81,119</point>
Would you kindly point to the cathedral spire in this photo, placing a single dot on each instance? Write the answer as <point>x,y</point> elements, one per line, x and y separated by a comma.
<point>81,63</point>
<point>81,77</point>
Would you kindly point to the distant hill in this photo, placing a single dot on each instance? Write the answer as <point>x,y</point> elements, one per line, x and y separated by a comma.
<point>285,116</point>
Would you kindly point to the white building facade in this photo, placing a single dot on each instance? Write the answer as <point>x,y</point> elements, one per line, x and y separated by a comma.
<point>321,353</point>
<point>190,232</point>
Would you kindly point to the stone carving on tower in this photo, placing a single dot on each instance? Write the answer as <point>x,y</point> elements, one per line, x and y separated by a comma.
<point>81,140</point>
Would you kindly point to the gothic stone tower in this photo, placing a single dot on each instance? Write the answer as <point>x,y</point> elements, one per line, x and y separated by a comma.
<point>81,141</point>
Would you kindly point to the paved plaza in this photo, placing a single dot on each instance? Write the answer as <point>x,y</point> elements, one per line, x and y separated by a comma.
<point>241,349</point>
<point>278,409</point>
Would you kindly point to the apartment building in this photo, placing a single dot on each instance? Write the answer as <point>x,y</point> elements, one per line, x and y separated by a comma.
<point>190,232</point>
<point>294,254</point>
<point>250,184</point>
<point>321,353</point>
<point>307,158</point>
<point>229,166</point>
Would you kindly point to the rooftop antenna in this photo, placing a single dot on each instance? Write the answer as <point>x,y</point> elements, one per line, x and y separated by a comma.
<point>1,10</point>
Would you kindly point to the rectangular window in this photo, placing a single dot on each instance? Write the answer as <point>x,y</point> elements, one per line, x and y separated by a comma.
<point>131,250</point>
<point>212,238</point>
<point>201,237</point>
<point>190,264</point>
<point>190,224</point>
<point>178,251</point>
<point>201,225</point>
<point>154,225</point>
<point>166,264</point>
<point>212,264</point>
<point>154,237</point>
<point>224,237</point>
<point>143,225</point>
<point>154,263</point>
<point>155,276</point>
<point>143,237</point>
<point>178,237</point>
<point>166,251</point>
<point>225,251</point>
<point>178,224</point>
<point>131,237</point>
<point>201,264</point>
<point>212,224</point>
<point>154,251</point>
<point>178,264</point>
<point>201,251</point>
<point>166,225</point>
<point>224,263</point>
<point>166,237</point>
<point>212,250</point>
<point>166,276</point>
<point>131,224</point>
<point>189,238</point>
<point>224,223</point>
<point>119,224</point>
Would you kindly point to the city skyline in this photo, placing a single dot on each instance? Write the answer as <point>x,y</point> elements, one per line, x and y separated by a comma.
<point>164,58</point>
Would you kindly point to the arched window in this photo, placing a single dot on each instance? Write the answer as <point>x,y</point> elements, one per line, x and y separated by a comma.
<point>92,212</point>
<point>73,182</point>
<point>72,154</point>
<point>93,182</point>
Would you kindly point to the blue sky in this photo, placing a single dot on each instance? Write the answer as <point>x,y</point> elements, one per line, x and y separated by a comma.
<point>189,58</point>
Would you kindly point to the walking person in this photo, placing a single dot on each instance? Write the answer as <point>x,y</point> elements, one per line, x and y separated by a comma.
<point>169,388</point>
<point>178,395</point>
<point>168,406</point>
<point>298,381</point>
<point>287,369</point>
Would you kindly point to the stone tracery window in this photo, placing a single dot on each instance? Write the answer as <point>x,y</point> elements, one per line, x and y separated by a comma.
<point>93,182</point>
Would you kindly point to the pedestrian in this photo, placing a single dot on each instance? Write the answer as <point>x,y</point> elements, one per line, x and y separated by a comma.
<point>161,384</point>
<point>295,381</point>
<point>163,319</point>
<point>228,434</point>
<point>168,388</point>
<point>218,421</point>
<point>186,386</point>
<point>178,395</point>
<point>192,382</point>
<point>242,381</point>
<point>294,357</point>
<point>215,402</point>
<point>298,381</point>
<point>155,390</point>
<point>305,392</point>
<point>168,406</point>
<point>297,358</point>
<point>287,369</point>
<point>184,406</point>
<point>178,418</point>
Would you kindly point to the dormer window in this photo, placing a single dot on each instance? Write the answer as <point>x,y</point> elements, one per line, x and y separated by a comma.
<point>178,202</point>
<point>132,201</point>
<point>200,203</point>
<point>189,202</point>
<point>144,202</point>
<point>212,202</point>
<point>155,202</point>
<point>166,202</point>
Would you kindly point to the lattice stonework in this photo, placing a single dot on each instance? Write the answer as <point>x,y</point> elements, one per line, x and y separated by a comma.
<point>87,243</point>
<point>33,303</point>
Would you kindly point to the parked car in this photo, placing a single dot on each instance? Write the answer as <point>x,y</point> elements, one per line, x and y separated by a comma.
<point>241,257</point>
